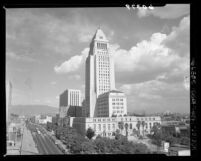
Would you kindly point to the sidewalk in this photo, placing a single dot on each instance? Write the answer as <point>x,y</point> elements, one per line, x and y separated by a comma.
<point>28,144</point>
<point>14,150</point>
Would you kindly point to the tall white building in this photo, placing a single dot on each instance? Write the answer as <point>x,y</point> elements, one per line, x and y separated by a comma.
<point>99,75</point>
<point>105,107</point>
<point>68,98</point>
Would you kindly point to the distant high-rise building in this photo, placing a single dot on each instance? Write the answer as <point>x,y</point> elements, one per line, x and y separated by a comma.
<point>9,89</point>
<point>99,75</point>
<point>10,93</point>
<point>69,98</point>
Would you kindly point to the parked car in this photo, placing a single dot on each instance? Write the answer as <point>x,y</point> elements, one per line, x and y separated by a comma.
<point>56,142</point>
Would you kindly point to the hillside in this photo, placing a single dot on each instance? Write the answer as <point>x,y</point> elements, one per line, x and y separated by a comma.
<point>30,110</point>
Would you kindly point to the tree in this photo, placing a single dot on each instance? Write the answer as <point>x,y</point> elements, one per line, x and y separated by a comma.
<point>156,128</point>
<point>75,142</point>
<point>118,135</point>
<point>143,124</point>
<point>117,131</point>
<point>156,135</point>
<point>185,141</point>
<point>141,149</point>
<point>135,132</point>
<point>58,132</point>
<point>100,145</point>
<point>49,126</point>
<point>121,126</point>
<point>138,126</point>
<point>90,133</point>
<point>126,127</point>
<point>98,136</point>
<point>88,147</point>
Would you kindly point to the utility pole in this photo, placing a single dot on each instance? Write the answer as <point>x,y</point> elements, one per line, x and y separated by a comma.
<point>22,140</point>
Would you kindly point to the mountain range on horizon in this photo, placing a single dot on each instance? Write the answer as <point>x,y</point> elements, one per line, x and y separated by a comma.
<point>31,110</point>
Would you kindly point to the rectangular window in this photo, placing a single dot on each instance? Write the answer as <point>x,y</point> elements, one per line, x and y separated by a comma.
<point>104,127</point>
<point>108,126</point>
<point>99,127</point>
<point>113,126</point>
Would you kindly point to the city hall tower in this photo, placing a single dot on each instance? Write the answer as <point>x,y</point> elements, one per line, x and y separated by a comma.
<point>99,72</point>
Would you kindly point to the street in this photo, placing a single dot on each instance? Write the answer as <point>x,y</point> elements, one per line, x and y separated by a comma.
<point>43,142</point>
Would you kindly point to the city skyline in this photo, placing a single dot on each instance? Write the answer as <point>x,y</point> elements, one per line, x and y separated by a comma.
<point>151,60</point>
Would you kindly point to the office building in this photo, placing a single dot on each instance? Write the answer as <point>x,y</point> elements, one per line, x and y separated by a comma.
<point>99,74</point>
<point>69,98</point>
<point>112,103</point>
<point>107,126</point>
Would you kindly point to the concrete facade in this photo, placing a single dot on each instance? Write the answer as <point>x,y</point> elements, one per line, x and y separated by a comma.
<point>112,103</point>
<point>69,98</point>
<point>99,74</point>
<point>106,126</point>
<point>74,111</point>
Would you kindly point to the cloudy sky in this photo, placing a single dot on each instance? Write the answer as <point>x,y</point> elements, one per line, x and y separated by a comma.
<point>46,51</point>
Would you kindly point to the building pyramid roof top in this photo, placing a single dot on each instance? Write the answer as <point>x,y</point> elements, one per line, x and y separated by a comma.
<point>99,35</point>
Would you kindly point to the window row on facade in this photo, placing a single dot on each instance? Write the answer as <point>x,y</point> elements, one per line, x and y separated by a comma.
<point>104,83</point>
<point>118,107</point>
<point>105,57</point>
<point>101,46</point>
<point>104,86</point>
<point>103,53</point>
<point>118,111</point>
<point>103,127</point>
<point>121,103</point>
<point>117,99</point>
<point>102,75</point>
<point>125,119</point>
<point>104,71</point>
<point>113,126</point>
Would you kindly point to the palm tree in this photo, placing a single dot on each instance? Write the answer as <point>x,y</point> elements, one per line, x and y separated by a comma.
<point>138,126</point>
<point>143,124</point>
<point>126,126</point>
<point>135,131</point>
<point>146,126</point>
<point>121,126</point>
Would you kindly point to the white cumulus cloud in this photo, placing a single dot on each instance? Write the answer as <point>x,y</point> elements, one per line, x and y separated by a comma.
<point>73,64</point>
<point>186,83</point>
<point>146,55</point>
<point>162,53</point>
<point>170,11</point>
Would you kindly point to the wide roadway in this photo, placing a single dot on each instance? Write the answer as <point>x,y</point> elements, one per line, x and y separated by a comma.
<point>43,142</point>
